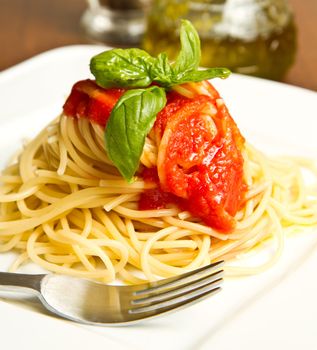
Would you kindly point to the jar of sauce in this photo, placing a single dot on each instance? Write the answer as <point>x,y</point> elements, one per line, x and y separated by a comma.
<point>254,37</point>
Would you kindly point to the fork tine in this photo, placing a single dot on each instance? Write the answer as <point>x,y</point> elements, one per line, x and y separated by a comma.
<point>165,284</point>
<point>178,302</point>
<point>214,278</point>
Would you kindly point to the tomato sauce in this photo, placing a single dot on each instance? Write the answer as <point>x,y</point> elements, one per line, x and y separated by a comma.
<point>200,160</point>
<point>88,100</point>
<point>154,198</point>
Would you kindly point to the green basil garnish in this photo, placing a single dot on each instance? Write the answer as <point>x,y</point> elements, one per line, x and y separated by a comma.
<point>135,68</point>
<point>126,68</point>
<point>200,75</point>
<point>130,121</point>
<point>189,57</point>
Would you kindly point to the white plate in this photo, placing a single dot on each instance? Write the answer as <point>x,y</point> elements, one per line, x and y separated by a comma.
<point>275,310</point>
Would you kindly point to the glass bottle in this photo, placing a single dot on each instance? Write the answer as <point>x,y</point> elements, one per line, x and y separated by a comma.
<point>255,37</point>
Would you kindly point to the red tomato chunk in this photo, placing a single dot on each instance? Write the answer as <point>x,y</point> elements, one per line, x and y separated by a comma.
<point>200,160</point>
<point>88,100</point>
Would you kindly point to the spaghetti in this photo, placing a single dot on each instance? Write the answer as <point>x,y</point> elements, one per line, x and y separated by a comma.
<point>65,207</point>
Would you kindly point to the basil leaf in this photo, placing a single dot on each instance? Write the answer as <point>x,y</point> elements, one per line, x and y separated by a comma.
<point>161,71</point>
<point>187,61</point>
<point>200,75</point>
<point>185,68</point>
<point>189,56</point>
<point>127,68</point>
<point>130,121</point>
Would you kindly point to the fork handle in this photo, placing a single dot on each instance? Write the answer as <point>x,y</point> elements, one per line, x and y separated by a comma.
<point>19,282</point>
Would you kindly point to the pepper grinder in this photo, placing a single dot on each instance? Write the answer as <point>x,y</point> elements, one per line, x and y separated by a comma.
<point>115,22</point>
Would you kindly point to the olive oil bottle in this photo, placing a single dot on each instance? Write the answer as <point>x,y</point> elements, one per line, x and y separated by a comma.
<point>255,37</point>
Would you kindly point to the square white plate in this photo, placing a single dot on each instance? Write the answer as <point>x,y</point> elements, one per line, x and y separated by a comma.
<point>276,309</point>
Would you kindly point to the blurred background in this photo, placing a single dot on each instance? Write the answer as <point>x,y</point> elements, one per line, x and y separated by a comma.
<point>274,39</point>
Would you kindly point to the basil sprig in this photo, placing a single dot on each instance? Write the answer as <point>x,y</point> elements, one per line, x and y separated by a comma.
<point>134,114</point>
<point>130,121</point>
<point>135,68</point>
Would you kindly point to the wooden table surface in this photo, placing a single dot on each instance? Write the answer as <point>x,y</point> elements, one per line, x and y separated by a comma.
<point>29,27</point>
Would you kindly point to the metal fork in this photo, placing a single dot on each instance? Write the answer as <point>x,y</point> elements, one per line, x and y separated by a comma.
<point>98,304</point>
